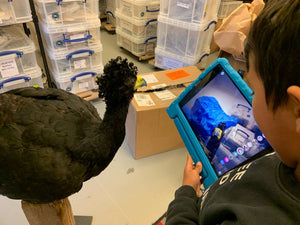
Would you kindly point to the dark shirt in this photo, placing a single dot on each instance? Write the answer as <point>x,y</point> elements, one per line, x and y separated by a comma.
<point>262,192</point>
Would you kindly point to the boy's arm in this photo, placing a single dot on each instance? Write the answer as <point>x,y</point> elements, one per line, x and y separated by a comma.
<point>184,208</point>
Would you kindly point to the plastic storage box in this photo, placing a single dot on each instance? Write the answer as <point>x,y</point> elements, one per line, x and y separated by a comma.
<point>67,11</point>
<point>70,36</point>
<point>135,45</point>
<point>227,7</point>
<point>75,61</point>
<point>167,60</point>
<point>17,52</point>
<point>32,78</point>
<point>111,11</point>
<point>102,7</point>
<point>77,82</point>
<point>142,28</point>
<point>14,11</point>
<point>139,9</point>
<point>183,38</point>
<point>196,11</point>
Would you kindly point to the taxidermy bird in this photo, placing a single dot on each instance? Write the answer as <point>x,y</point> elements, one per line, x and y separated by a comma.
<point>51,141</point>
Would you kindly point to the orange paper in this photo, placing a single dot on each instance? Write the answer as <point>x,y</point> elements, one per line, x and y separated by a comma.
<point>177,74</point>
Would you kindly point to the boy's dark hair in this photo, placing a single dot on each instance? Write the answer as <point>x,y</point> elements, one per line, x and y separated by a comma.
<point>274,41</point>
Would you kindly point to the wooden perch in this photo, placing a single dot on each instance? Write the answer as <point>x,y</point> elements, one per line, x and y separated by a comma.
<point>55,213</point>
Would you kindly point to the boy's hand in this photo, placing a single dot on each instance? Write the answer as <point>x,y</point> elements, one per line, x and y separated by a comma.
<point>191,174</point>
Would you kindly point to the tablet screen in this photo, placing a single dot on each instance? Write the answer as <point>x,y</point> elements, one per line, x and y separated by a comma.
<point>222,120</point>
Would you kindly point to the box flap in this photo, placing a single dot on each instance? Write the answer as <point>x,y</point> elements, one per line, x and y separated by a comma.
<point>163,87</point>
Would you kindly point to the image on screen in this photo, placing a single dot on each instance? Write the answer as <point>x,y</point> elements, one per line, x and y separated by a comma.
<point>222,119</point>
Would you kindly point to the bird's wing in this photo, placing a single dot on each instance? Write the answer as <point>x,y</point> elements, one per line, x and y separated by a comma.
<point>38,131</point>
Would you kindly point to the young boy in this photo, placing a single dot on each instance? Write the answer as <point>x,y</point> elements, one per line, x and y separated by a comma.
<point>266,191</point>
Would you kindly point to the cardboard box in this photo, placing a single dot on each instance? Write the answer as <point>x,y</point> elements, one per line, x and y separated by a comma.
<point>149,130</point>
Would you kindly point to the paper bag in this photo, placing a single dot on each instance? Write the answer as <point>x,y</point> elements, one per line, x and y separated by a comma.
<point>232,33</point>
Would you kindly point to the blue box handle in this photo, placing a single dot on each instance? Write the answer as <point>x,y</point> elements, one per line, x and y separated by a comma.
<point>78,39</point>
<point>150,21</point>
<point>149,39</point>
<point>81,75</point>
<point>203,57</point>
<point>18,53</point>
<point>69,56</point>
<point>59,1</point>
<point>243,132</point>
<point>148,10</point>
<point>111,13</point>
<point>212,22</point>
<point>27,79</point>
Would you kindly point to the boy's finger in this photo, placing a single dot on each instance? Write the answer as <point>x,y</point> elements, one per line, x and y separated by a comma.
<point>189,160</point>
<point>198,167</point>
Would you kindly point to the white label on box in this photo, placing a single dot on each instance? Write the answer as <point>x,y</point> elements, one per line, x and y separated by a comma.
<point>183,5</point>
<point>8,68</point>
<point>80,64</point>
<point>83,85</point>
<point>143,100</point>
<point>158,86</point>
<point>165,95</point>
<point>76,36</point>
<point>150,78</point>
<point>172,64</point>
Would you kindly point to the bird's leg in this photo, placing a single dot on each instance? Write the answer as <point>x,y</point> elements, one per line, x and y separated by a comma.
<point>55,213</point>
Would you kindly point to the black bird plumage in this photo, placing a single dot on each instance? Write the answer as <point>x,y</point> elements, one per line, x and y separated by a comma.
<point>51,141</point>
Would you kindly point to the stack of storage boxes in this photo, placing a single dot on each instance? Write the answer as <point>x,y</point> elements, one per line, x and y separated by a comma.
<point>136,25</point>
<point>71,31</point>
<point>18,65</point>
<point>185,29</point>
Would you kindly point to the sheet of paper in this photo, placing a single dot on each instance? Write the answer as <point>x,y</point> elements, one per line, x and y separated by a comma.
<point>150,78</point>
<point>165,95</point>
<point>143,100</point>
<point>158,86</point>
<point>8,68</point>
<point>80,64</point>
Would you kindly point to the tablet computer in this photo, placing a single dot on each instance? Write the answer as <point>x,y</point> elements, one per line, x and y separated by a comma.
<point>214,118</point>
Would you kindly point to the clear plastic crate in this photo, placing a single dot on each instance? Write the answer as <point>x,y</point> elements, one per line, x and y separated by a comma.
<point>166,60</point>
<point>16,11</point>
<point>137,46</point>
<point>70,36</point>
<point>196,11</point>
<point>102,7</point>
<point>17,52</point>
<point>67,11</point>
<point>142,28</point>
<point>77,82</point>
<point>183,38</point>
<point>32,78</point>
<point>139,9</point>
<point>227,7</point>
<point>110,17</point>
<point>75,61</point>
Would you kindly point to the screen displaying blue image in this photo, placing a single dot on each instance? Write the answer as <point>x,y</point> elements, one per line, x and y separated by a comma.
<point>223,122</point>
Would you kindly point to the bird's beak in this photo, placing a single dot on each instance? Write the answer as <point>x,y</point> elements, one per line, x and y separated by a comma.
<point>140,82</point>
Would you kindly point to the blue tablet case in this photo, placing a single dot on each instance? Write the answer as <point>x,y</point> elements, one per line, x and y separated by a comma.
<point>191,139</point>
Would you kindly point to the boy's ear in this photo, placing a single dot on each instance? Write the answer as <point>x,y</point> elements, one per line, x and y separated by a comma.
<point>294,94</point>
